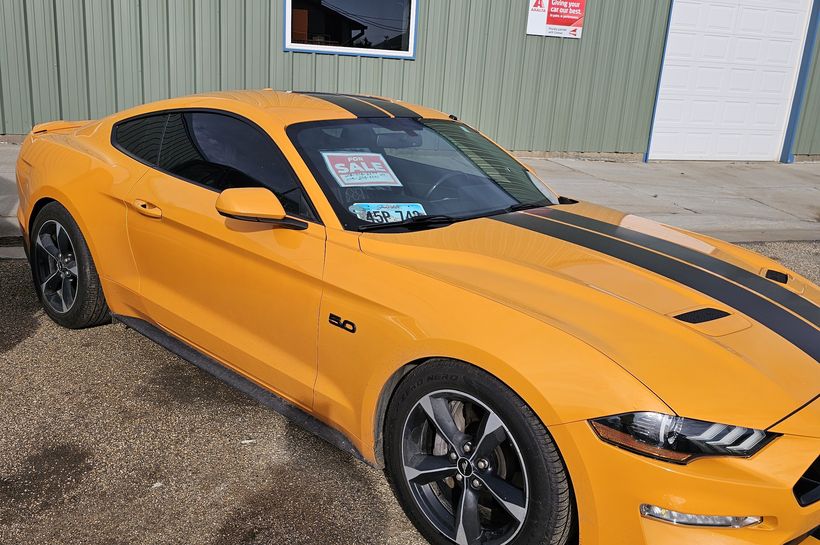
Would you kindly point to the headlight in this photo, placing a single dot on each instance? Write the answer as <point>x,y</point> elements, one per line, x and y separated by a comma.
<point>676,439</point>
<point>673,517</point>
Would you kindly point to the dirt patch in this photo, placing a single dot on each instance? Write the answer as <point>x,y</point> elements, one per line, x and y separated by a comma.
<point>43,481</point>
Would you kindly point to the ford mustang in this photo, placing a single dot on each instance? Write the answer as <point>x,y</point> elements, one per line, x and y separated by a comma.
<point>527,368</point>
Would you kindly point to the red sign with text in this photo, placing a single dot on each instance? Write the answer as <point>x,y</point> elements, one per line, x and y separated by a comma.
<point>560,18</point>
<point>360,169</point>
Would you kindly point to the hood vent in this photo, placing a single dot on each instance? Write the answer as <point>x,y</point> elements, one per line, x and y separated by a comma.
<point>701,315</point>
<point>777,276</point>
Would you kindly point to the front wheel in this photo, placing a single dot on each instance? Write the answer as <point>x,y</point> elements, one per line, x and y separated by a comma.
<point>471,463</point>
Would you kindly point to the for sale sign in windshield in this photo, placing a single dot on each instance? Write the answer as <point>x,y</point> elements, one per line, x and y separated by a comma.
<point>559,18</point>
<point>360,169</point>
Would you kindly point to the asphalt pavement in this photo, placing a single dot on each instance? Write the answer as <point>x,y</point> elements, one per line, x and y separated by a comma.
<point>108,439</point>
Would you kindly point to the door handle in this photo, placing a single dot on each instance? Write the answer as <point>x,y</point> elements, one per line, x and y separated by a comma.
<point>147,209</point>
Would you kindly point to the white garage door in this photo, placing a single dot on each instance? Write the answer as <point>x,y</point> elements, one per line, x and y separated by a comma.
<point>728,80</point>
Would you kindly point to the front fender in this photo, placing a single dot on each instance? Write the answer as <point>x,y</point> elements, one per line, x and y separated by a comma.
<point>415,318</point>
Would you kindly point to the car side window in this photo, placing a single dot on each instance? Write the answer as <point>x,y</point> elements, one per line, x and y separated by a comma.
<point>141,137</point>
<point>222,152</point>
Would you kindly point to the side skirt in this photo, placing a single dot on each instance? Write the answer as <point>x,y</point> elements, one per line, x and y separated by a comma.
<point>293,413</point>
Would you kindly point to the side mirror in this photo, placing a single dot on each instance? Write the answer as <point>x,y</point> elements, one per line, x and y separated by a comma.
<point>255,204</point>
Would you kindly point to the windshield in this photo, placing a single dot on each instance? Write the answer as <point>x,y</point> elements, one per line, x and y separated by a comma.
<point>395,172</point>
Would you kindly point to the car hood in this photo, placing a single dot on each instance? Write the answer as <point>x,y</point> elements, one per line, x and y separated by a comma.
<point>620,283</point>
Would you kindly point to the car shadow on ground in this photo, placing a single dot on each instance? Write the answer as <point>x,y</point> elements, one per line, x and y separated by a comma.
<point>109,439</point>
<point>20,310</point>
<point>179,383</point>
<point>303,505</point>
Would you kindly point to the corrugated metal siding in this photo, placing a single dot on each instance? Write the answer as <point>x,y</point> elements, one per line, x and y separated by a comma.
<point>808,130</point>
<point>86,58</point>
<point>15,87</point>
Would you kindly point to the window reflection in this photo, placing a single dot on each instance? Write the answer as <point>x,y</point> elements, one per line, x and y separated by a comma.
<point>377,25</point>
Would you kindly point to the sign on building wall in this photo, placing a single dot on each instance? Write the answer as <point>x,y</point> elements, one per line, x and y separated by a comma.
<point>559,18</point>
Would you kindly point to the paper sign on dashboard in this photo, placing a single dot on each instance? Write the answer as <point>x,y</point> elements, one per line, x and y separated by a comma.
<point>360,169</point>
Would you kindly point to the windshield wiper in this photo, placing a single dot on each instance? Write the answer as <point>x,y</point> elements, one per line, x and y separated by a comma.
<point>521,206</point>
<point>421,221</point>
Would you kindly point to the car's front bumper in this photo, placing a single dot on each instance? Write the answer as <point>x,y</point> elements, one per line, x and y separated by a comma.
<point>610,485</point>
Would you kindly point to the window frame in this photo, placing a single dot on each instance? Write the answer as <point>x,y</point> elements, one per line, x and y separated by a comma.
<point>410,54</point>
<point>166,112</point>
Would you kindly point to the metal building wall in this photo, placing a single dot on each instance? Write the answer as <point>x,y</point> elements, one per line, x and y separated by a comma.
<point>807,141</point>
<point>77,59</point>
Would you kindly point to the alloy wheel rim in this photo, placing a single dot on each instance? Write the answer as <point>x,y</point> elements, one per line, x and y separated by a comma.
<point>464,469</point>
<point>56,263</point>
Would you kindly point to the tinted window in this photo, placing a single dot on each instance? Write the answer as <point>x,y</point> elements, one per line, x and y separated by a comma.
<point>223,152</point>
<point>141,137</point>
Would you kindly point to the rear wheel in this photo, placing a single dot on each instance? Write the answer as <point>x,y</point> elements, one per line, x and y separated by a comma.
<point>64,273</point>
<point>471,463</point>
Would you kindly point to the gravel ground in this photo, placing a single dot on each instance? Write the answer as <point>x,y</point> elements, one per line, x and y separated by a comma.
<point>802,257</point>
<point>109,439</point>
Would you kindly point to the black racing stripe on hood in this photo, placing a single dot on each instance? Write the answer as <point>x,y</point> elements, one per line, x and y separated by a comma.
<point>779,320</point>
<point>355,106</point>
<point>777,293</point>
<point>396,110</point>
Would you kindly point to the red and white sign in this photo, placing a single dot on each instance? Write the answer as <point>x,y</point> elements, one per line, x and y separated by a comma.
<point>559,18</point>
<point>360,169</point>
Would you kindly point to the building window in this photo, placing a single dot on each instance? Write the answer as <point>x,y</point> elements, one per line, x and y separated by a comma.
<point>379,28</point>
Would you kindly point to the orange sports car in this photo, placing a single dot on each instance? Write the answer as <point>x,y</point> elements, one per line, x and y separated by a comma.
<point>528,369</point>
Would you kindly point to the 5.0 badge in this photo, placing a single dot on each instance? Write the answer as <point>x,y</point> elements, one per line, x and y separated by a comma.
<point>347,325</point>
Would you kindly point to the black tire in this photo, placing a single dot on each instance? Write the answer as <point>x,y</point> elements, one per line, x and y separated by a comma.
<point>64,274</point>
<point>470,395</point>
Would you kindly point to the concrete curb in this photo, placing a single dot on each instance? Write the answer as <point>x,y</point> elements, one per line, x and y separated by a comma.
<point>584,156</point>
<point>14,252</point>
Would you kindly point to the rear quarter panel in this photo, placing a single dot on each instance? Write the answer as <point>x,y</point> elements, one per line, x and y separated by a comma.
<point>79,168</point>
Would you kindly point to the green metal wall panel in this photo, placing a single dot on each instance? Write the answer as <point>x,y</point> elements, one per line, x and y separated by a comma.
<point>181,43</point>
<point>808,130</point>
<point>87,58</point>
<point>232,43</point>
<point>2,120</point>
<point>257,43</point>
<point>128,83</point>
<point>100,57</point>
<point>42,49</point>
<point>207,61</point>
<point>71,58</point>
<point>15,87</point>
<point>155,62</point>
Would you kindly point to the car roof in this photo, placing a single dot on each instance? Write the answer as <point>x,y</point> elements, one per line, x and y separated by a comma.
<point>293,107</point>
